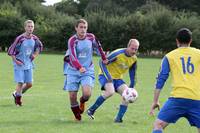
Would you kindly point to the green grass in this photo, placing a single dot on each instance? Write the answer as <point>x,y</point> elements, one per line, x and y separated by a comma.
<point>46,106</point>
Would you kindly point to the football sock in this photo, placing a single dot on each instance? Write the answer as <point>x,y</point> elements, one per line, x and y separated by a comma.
<point>76,110</point>
<point>98,103</point>
<point>18,94</point>
<point>157,131</point>
<point>83,99</point>
<point>122,110</point>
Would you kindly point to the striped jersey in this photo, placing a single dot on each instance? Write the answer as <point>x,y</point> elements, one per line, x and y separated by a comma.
<point>81,52</point>
<point>23,48</point>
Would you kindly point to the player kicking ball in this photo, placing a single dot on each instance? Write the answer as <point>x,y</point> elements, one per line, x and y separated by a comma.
<point>120,62</point>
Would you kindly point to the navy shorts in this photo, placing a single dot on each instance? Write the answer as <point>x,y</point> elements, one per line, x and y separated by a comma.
<point>116,82</point>
<point>176,108</point>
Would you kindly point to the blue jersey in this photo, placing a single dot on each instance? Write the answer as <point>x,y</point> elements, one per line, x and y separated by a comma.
<point>81,52</point>
<point>22,49</point>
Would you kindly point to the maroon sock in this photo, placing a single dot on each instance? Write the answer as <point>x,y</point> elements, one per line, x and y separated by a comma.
<point>83,100</point>
<point>76,111</point>
<point>18,100</point>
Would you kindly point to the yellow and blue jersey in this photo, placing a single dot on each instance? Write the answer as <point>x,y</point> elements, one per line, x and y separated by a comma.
<point>184,65</point>
<point>119,64</point>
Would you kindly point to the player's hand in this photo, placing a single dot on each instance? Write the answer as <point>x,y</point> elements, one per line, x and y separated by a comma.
<point>153,107</point>
<point>32,57</point>
<point>105,61</point>
<point>82,70</point>
<point>19,62</point>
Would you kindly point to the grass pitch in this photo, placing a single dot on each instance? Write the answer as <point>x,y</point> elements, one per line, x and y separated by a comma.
<point>46,106</point>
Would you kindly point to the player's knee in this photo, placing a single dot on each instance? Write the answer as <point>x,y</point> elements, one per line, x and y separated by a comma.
<point>108,93</point>
<point>86,95</point>
<point>86,91</point>
<point>159,125</point>
<point>111,92</point>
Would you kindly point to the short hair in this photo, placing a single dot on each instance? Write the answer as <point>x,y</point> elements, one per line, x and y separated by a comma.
<point>81,21</point>
<point>28,21</point>
<point>131,41</point>
<point>184,35</point>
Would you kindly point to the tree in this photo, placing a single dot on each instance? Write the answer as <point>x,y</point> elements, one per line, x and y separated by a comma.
<point>188,5</point>
<point>67,7</point>
<point>11,24</point>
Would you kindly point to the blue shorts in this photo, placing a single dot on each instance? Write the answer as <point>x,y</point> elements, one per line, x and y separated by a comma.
<point>23,76</point>
<point>73,82</point>
<point>176,108</point>
<point>65,83</point>
<point>116,82</point>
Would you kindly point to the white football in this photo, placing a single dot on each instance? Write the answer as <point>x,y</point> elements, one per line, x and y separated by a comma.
<point>130,95</point>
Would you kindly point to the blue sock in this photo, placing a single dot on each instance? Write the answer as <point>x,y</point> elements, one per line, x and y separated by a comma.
<point>122,111</point>
<point>98,103</point>
<point>157,131</point>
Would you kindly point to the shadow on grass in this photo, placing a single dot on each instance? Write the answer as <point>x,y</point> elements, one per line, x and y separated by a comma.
<point>94,122</point>
<point>7,105</point>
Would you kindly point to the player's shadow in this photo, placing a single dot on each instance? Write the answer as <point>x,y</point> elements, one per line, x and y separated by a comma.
<point>6,105</point>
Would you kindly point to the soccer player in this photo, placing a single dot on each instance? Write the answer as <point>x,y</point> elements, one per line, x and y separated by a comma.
<point>23,51</point>
<point>184,65</point>
<point>80,70</point>
<point>120,62</point>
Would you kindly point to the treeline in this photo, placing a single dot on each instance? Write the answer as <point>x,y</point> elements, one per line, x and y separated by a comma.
<point>114,22</point>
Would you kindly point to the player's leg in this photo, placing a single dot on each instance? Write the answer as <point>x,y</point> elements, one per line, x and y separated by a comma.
<point>28,80</point>
<point>108,90</point>
<point>87,83</point>
<point>17,95</point>
<point>173,109</point>
<point>19,79</point>
<point>124,105</point>
<point>159,125</point>
<point>86,93</point>
<point>73,87</point>
<point>198,130</point>
<point>26,86</point>
<point>74,105</point>
<point>18,90</point>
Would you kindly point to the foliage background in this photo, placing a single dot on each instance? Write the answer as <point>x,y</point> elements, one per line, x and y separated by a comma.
<point>153,22</point>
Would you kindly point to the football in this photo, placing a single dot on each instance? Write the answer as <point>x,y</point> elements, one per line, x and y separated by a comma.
<point>130,95</point>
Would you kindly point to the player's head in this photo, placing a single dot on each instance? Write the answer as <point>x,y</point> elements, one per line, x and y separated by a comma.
<point>183,37</point>
<point>29,26</point>
<point>132,47</point>
<point>81,27</point>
